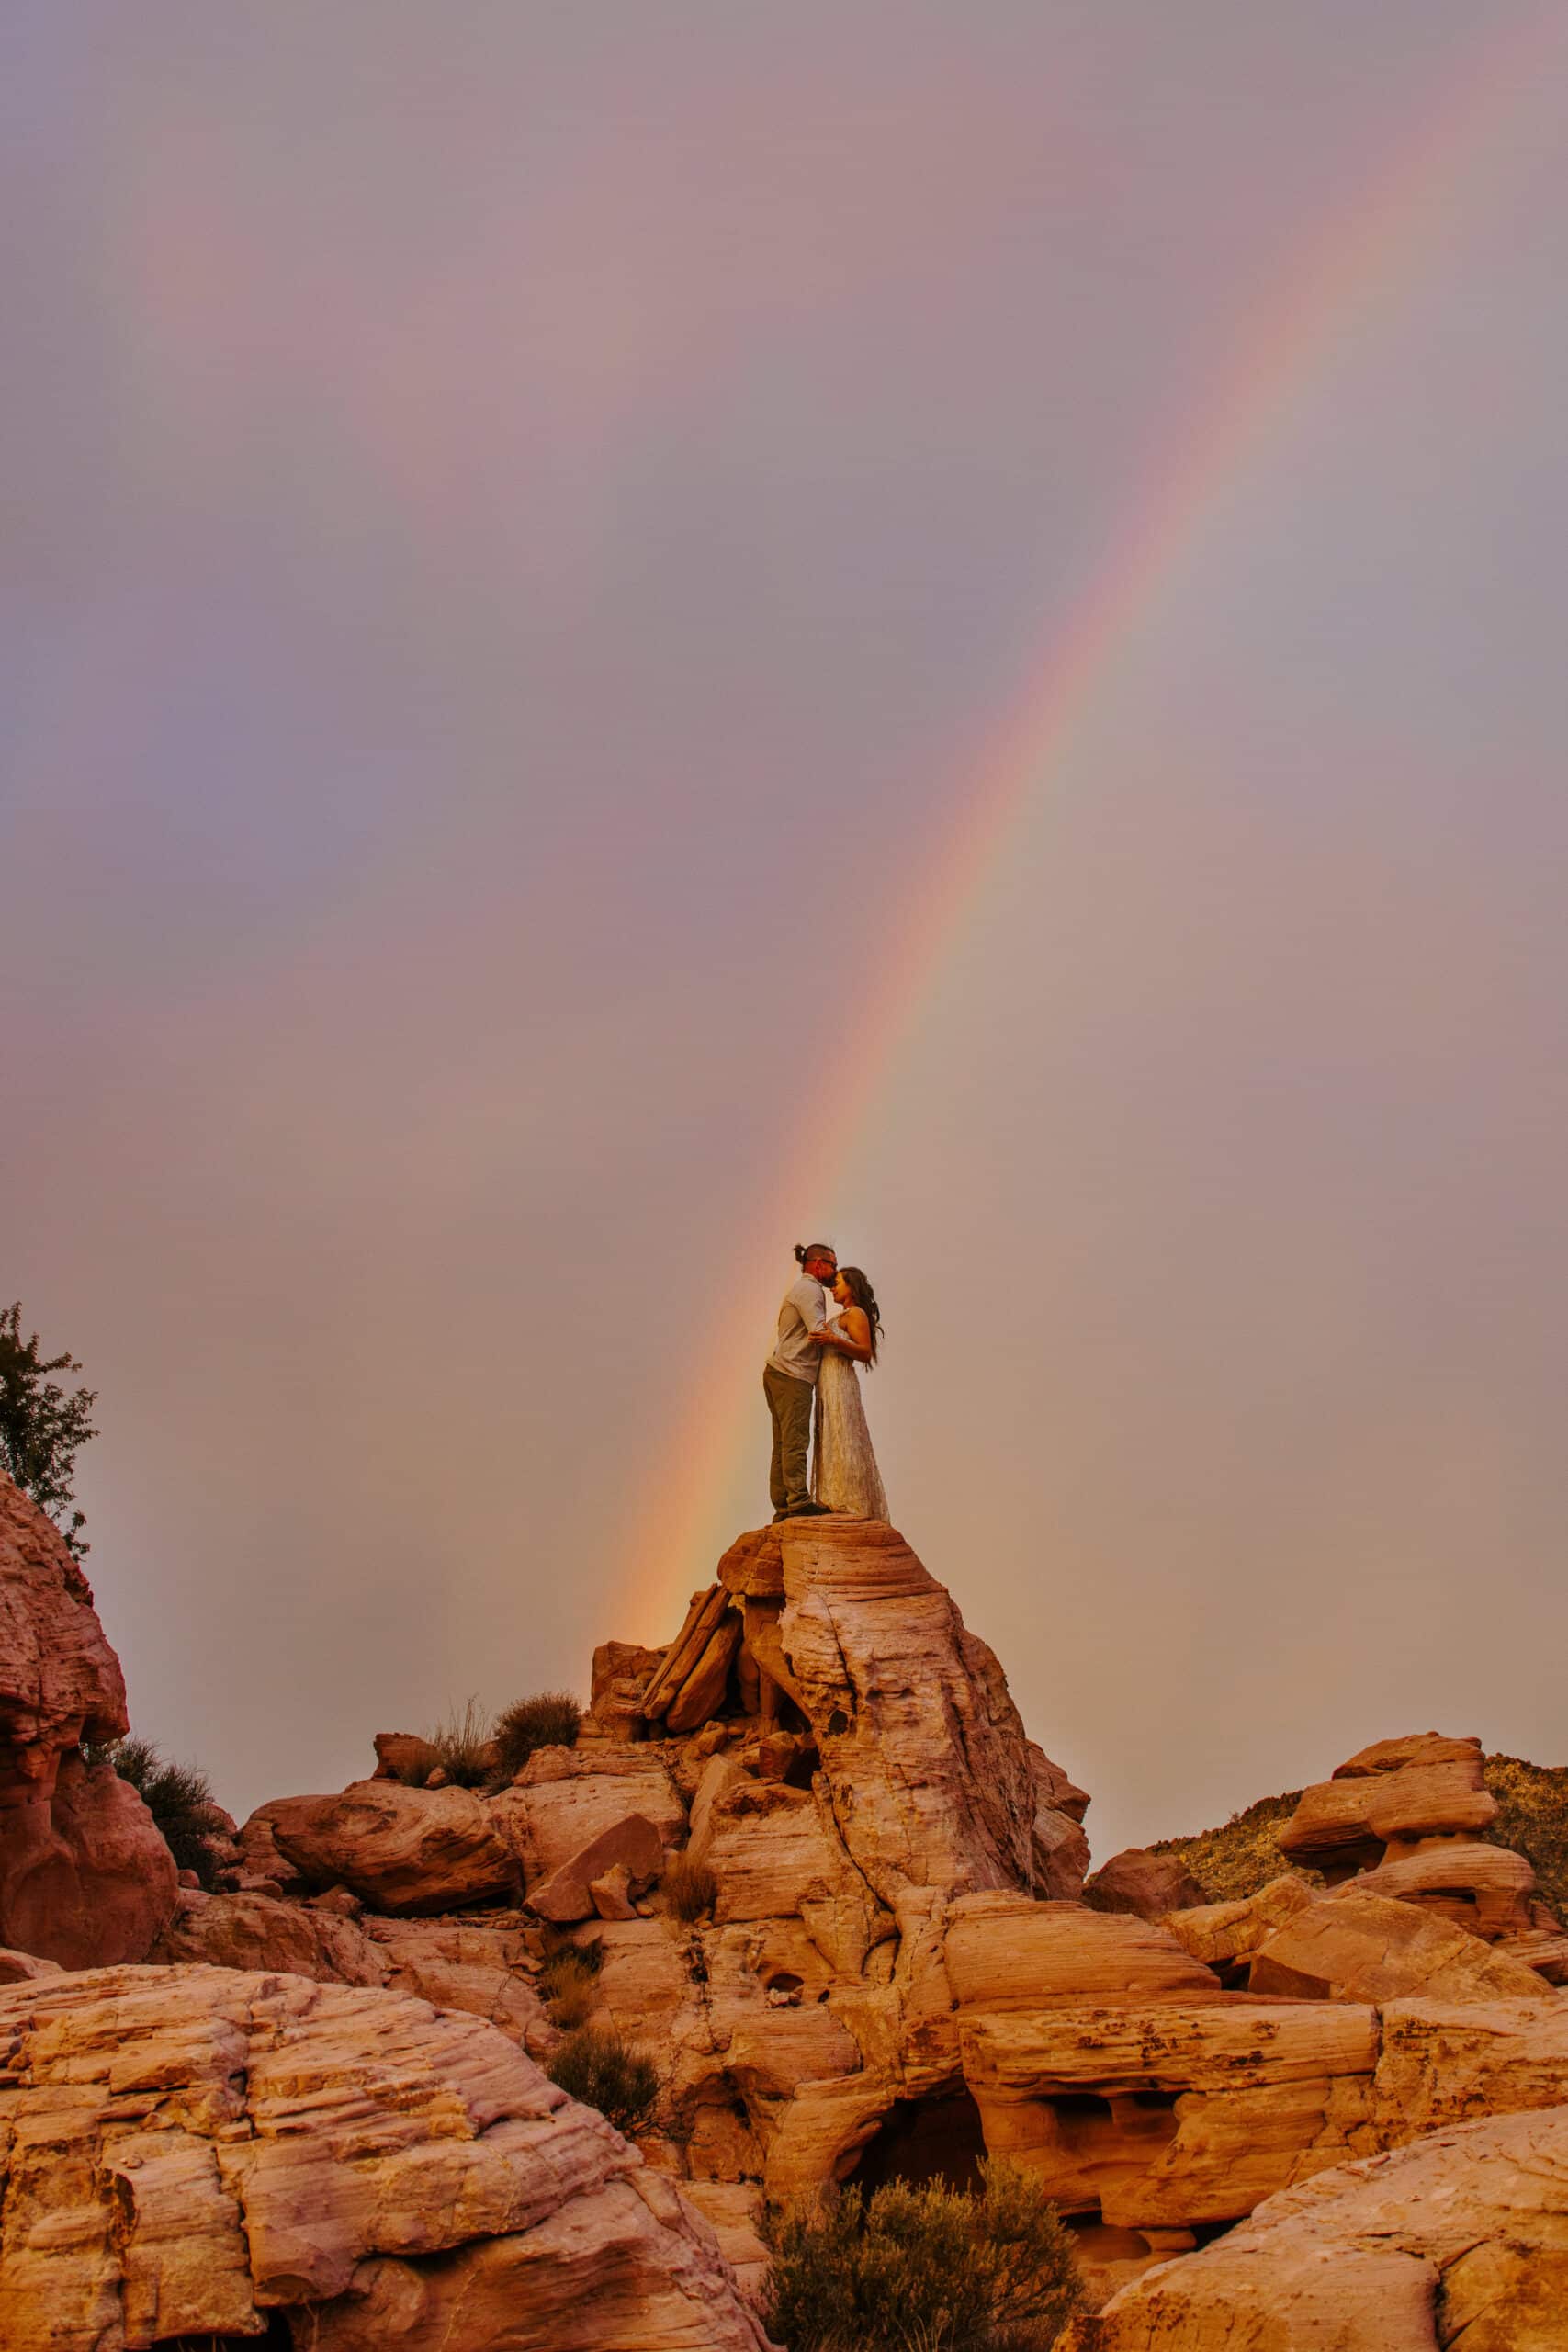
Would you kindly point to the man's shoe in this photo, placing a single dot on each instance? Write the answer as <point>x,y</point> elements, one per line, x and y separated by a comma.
<point>780,1513</point>
<point>809,1510</point>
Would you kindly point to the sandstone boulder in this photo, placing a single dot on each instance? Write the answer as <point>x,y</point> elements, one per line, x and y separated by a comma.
<point>1460,2240</point>
<point>87,1878</point>
<point>1396,1794</point>
<point>264,1869</point>
<point>621,1673</point>
<point>633,1843</point>
<point>613,1893</point>
<point>1169,2117</point>
<point>458,1964</point>
<point>195,2149</point>
<point>1484,1888</point>
<point>254,1932</point>
<point>703,1691</point>
<point>1223,1934</point>
<point>1146,1884</point>
<point>1445,2062</point>
<point>1003,1952</point>
<point>1355,1946</point>
<point>566,1796</point>
<point>405,1756</point>
<point>401,1850</point>
<point>24,1968</point>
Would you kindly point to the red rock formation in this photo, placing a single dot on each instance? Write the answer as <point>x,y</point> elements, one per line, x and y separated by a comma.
<point>1461,2239</point>
<point>399,1850</point>
<point>84,1876</point>
<point>194,2149</point>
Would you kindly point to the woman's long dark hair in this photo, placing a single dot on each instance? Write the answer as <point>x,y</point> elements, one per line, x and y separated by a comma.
<point>864,1297</point>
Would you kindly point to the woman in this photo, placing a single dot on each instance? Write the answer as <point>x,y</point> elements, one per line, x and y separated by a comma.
<point>845,1475</point>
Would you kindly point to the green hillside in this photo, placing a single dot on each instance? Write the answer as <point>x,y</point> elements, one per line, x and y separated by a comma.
<point>1533,1817</point>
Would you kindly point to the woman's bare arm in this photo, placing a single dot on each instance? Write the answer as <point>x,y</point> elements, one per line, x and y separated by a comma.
<point>855,1340</point>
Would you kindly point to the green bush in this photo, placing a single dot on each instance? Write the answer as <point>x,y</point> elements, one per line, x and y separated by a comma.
<point>931,2269</point>
<point>605,2072</point>
<point>178,1797</point>
<point>690,1888</point>
<point>464,1748</point>
<point>550,1719</point>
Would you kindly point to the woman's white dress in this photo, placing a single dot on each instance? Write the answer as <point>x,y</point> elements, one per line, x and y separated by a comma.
<point>844,1473</point>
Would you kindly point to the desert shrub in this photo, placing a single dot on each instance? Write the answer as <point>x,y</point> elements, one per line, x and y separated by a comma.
<point>559,1946</point>
<point>463,1748</point>
<point>690,1887</point>
<point>569,1988</point>
<point>602,2071</point>
<point>548,1719</point>
<point>178,1797</point>
<point>936,2268</point>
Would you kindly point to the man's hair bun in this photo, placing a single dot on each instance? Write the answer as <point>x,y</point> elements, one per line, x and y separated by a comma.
<point>800,1253</point>
<point>804,1250</point>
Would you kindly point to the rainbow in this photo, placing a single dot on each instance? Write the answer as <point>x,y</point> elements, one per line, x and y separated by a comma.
<point>1377,240</point>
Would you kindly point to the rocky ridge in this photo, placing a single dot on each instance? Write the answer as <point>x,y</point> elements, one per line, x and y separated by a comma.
<point>837,1894</point>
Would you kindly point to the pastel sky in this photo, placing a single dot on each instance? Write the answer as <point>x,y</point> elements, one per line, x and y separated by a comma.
<point>536,537</point>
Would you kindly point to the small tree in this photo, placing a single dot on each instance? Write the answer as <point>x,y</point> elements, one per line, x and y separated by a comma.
<point>42,1425</point>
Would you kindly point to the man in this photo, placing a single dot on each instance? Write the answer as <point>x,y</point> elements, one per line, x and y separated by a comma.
<point>789,1381</point>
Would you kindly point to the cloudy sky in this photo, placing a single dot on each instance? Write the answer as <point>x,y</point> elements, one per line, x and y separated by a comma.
<point>634,628</point>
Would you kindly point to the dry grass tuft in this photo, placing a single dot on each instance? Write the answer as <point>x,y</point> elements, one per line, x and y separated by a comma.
<point>462,1746</point>
<point>691,1888</point>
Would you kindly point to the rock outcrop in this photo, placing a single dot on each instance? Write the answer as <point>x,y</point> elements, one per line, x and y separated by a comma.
<point>257,1931</point>
<point>85,1875</point>
<point>875,1956</point>
<point>1460,2240</point>
<point>193,2150</point>
<point>400,1850</point>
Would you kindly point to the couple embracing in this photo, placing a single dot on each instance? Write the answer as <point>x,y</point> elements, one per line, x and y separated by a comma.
<point>817,1361</point>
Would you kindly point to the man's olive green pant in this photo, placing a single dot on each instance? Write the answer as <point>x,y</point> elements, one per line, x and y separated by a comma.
<point>789,1402</point>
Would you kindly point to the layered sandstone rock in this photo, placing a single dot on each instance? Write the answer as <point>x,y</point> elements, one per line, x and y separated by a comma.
<point>1361,1946</point>
<point>620,1674</point>
<point>257,1931</point>
<point>85,1875</point>
<point>1460,2240</point>
<point>414,1850</point>
<point>1225,1935</point>
<point>482,1966</point>
<point>1389,1801</point>
<point>894,1968</point>
<point>934,1783</point>
<point>566,1797</point>
<point>194,2149</point>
